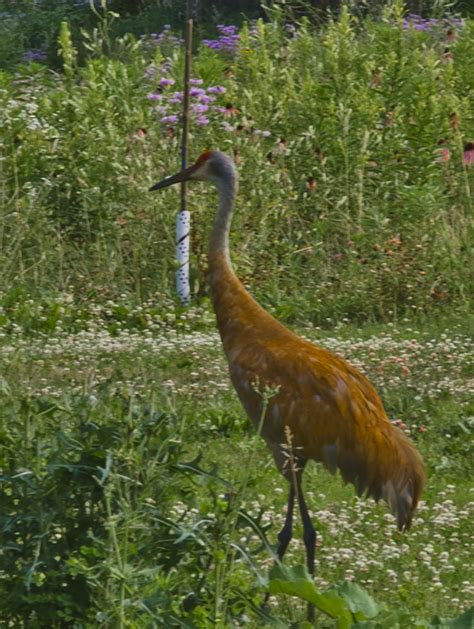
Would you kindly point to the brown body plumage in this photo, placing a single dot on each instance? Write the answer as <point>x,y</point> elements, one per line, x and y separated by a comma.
<point>331,410</point>
<point>334,414</point>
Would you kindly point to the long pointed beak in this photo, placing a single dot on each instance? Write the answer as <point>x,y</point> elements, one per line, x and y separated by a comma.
<point>184,175</point>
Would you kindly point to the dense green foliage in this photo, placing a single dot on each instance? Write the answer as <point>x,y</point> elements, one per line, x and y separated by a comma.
<point>356,204</point>
<point>35,24</point>
<point>134,494</point>
<point>132,491</point>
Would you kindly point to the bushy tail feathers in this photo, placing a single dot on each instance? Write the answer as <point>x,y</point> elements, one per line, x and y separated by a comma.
<point>405,479</point>
<point>389,467</point>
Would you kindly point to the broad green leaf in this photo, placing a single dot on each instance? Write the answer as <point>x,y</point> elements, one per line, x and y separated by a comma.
<point>296,581</point>
<point>464,621</point>
<point>361,604</point>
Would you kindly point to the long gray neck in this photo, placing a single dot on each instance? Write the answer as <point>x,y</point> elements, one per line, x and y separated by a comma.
<point>219,240</point>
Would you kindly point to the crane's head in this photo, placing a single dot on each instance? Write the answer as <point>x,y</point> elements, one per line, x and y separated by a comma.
<point>211,166</point>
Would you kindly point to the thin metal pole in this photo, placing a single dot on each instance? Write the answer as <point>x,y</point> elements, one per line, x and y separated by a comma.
<point>184,139</point>
<point>183,222</point>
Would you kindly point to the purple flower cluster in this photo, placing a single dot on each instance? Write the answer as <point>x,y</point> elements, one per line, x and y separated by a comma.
<point>216,89</point>
<point>166,37</point>
<point>171,119</point>
<point>227,41</point>
<point>35,54</point>
<point>201,100</point>
<point>202,107</point>
<point>418,23</point>
<point>164,82</point>
<point>152,70</point>
<point>205,102</point>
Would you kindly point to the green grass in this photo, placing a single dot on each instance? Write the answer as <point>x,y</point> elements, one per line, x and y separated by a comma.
<point>103,499</point>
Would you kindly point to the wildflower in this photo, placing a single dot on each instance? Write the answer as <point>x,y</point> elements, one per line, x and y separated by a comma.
<point>389,119</point>
<point>150,71</point>
<point>204,98</point>
<point>450,35</point>
<point>154,96</point>
<point>271,158</point>
<point>447,55</point>
<point>227,30</point>
<point>202,120</point>
<point>375,80</point>
<point>453,120</point>
<point>229,110</point>
<point>165,82</point>
<point>176,98</point>
<point>216,89</point>
<point>415,21</point>
<point>169,119</point>
<point>228,39</point>
<point>35,54</point>
<point>166,37</point>
<point>165,66</point>
<point>281,146</point>
<point>199,108</point>
<point>444,154</point>
<point>419,23</point>
<point>468,155</point>
<point>227,127</point>
<point>196,91</point>
<point>196,81</point>
<point>320,155</point>
<point>311,184</point>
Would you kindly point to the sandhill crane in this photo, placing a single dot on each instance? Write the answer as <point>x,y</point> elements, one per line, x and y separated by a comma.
<point>329,408</point>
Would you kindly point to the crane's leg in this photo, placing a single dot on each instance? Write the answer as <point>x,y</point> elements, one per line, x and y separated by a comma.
<point>309,536</point>
<point>286,533</point>
<point>293,474</point>
<point>309,533</point>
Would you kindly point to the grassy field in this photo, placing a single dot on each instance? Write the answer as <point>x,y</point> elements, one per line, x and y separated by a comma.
<point>135,482</point>
<point>133,490</point>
